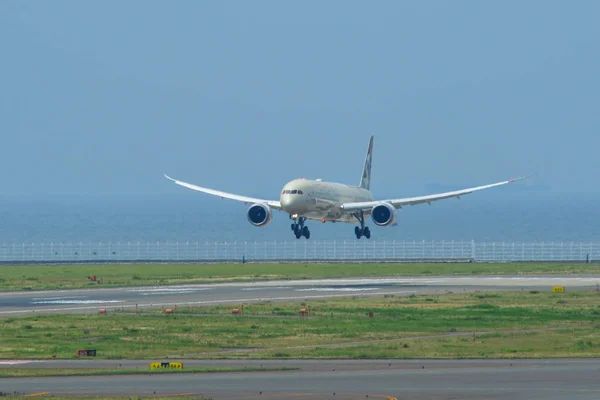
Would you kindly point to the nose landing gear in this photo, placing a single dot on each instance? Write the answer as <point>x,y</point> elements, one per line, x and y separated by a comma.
<point>299,229</point>
<point>362,230</point>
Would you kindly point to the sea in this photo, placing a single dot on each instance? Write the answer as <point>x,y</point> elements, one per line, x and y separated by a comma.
<point>497,217</point>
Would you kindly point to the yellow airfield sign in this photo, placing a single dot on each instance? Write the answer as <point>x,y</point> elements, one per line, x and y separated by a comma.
<point>166,365</point>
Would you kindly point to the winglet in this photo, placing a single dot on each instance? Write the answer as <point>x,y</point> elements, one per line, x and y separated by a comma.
<point>169,178</point>
<point>519,179</point>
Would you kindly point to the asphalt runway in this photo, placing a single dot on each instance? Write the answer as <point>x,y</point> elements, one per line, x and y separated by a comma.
<point>340,379</point>
<point>91,300</point>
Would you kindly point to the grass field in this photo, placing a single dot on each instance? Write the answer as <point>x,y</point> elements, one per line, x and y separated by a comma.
<point>508,324</point>
<point>40,277</point>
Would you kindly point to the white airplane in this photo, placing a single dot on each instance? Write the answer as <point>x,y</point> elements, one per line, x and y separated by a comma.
<point>316,199</point>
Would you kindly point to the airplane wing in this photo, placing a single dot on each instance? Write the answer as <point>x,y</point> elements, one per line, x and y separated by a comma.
<point>225,195</point>
<point>399,203</point>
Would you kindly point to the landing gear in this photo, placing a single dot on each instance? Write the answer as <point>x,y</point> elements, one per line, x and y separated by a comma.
<point>361,230</point>
<point>299,228</point>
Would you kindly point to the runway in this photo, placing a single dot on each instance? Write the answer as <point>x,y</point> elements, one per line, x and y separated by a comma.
<point>315,379</point>
<point>341,379</point>
<point>91,300</point>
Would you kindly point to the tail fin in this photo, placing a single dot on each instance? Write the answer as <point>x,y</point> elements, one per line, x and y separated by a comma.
<point>365,179</point>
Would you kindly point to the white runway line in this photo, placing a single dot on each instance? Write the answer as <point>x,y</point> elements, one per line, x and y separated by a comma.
<point>57,298</point>
<point>15,362</point>
<point>76,302</point>
<point>335,289</point>
<point>175,289</point>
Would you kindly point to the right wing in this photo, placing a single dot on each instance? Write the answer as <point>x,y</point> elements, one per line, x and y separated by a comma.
<point>225,195</point>
<point>399,203</point>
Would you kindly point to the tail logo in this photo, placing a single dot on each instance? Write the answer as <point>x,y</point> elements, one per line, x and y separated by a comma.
<point>365,180</point>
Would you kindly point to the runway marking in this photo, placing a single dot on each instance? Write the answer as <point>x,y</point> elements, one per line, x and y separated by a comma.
<point>189,303</point>
<point>76,302</point>
<point>37,394</point>
<point>335,289</point>
<point>18,362</point>
<point>56,298</point>
<point>165,290</point>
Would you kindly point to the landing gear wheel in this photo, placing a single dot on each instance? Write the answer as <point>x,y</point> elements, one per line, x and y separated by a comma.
<point>358,232</point>
<point>361,230</point>
<point>299,229</point>
<point>367,232</point>
<point>306,232</point>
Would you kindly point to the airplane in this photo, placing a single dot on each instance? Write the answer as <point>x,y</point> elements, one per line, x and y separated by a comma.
<point>306,199</point>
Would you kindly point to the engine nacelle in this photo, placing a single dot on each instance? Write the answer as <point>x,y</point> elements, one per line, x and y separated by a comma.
<point>259,214</point>
<point>384,214</point>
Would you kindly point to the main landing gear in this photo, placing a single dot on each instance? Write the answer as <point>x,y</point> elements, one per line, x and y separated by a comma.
<point>362,230</point>
<point>299,228</point>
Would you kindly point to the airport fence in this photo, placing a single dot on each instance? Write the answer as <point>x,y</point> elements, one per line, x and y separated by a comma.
<point>300,250</point>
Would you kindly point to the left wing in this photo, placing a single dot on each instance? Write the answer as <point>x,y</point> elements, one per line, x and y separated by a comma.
<point>225,195</point>
<point>399,203</point>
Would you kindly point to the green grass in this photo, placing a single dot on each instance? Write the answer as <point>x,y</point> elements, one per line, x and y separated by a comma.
<point>39,277</point>
<point>509,324</point>
<point>40,372</point>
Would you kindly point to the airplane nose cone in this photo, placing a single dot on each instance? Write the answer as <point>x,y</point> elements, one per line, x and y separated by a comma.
<point>285,201</point>
<point>292,204</point>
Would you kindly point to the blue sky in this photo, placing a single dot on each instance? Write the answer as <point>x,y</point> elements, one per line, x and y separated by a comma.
<point>102,98</point>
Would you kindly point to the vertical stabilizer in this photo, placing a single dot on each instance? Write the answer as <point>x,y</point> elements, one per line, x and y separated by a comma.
<point>365,179</point>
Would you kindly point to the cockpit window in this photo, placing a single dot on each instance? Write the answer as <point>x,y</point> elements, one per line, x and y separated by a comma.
<point>300,192</point>
<point>294,191</point>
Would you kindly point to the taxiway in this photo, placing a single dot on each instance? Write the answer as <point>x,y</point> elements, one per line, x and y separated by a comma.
<point>339,379</point>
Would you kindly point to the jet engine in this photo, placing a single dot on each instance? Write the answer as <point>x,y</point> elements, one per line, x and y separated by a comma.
<point>259,214</point>
<point>384,214</point>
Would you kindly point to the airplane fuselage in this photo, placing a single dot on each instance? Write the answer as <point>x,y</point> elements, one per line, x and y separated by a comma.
<point>320,200</point>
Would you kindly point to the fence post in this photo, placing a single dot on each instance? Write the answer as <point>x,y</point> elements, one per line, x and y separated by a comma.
<point>473,250</point>
<point>305,250</point>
